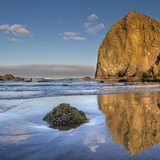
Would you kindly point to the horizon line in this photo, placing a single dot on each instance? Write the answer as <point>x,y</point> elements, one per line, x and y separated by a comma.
<point>52,70</point>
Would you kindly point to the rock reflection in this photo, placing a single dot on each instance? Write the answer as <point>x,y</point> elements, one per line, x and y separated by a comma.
<point>133,119</point>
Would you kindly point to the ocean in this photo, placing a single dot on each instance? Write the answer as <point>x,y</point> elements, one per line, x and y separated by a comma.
<point>124,120</point>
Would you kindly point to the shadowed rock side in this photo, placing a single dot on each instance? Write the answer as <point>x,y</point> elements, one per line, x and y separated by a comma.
<point>65,117</point>
<point>131,48</point>
<point>132,121</point>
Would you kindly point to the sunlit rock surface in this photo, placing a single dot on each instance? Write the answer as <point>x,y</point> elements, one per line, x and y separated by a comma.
<point>131,48</point>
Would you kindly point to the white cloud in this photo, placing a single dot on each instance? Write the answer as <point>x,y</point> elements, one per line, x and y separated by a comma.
<point>91,25</point>
<point>14,39</point>
<point>73,36</point>
<point>78,38</point>
<point>4,27</point>
<point>92,17</point>
<point>94,29</point>
<point>65,38</point>
<point>70,33</point>
<point>86,24</point>
<point>22,32</point>
<point>15,29</point>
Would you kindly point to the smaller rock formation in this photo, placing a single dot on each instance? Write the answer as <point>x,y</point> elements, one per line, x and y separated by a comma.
<point>64,117</point>
<point>10,77</point>
<point>29,80</point>
<point>87,78</point>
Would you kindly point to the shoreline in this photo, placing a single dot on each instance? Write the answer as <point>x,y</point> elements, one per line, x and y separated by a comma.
<point>128,79</point>
<point>21,129</point>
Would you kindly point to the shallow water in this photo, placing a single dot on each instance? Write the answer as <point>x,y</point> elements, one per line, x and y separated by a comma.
<point>30,90</point>
<point>121,126</point>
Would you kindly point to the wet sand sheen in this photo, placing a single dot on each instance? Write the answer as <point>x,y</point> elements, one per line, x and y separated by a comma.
<point>121,126</point>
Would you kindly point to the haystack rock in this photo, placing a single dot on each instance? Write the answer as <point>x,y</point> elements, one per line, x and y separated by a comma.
<point>131,48</point>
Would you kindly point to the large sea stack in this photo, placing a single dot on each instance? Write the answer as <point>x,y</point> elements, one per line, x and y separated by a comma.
<point>131,48</point>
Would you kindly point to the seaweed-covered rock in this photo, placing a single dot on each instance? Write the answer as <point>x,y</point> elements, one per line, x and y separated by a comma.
<point>65,117</point>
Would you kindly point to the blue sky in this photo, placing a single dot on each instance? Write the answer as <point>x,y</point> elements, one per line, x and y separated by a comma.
<point>66,32</point>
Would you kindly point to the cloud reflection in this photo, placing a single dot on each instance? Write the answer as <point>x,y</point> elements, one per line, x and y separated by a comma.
<point>93,139</point>
<point>14,132</point>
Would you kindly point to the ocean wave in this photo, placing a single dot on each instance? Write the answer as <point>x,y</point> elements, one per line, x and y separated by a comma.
<point>29,90</point>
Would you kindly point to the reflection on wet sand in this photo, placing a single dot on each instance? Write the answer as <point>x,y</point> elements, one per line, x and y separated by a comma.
<point>93,139</point>
<point>133,119</point>
<point>13,133</point>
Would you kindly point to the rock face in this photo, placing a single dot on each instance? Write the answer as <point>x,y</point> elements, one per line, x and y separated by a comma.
<point>65,117</point>
<point>131,48</point>
<point>10,77</point>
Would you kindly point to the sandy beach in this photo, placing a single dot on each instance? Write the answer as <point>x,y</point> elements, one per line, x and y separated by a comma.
<point>121,126</point>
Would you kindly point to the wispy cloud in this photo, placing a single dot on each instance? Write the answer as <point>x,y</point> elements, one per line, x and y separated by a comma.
<point>59,19</point>
<point>16,29</point>
<point>93,139</point>
<point>92,17</point>
<point>94,29</point>
<point>74,38</point>
<point>14,39</point>
<point>55,71</point>
<point>91,25</point>
<point>72,35</point>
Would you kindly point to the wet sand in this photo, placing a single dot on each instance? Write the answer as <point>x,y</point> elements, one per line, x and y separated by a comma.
<point>121,126</point>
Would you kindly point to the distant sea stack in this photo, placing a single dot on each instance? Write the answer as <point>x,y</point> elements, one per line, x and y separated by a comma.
<point>131,48</point>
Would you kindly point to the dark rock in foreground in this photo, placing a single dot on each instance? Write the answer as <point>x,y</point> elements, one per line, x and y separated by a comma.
<point>65,117</point>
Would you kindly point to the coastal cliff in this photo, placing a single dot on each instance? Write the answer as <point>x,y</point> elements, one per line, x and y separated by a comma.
<point>131,48</point>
